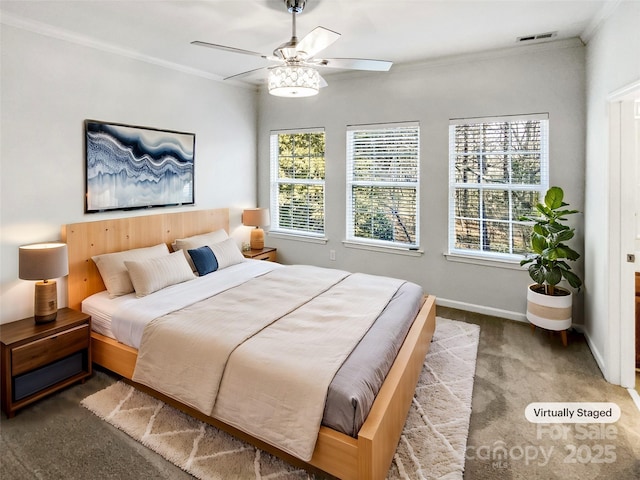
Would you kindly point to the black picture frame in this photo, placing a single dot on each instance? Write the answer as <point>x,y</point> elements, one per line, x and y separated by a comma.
<point>132,167</point>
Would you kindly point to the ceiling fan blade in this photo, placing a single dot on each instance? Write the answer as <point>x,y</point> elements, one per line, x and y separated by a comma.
<point>318,39</point>
<point>230,49</point>
<point>244,74</point>
<point>323,83</point>
<point>354,64</point>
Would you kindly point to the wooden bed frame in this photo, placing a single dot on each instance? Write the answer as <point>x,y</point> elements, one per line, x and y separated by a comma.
<point>367,457</point>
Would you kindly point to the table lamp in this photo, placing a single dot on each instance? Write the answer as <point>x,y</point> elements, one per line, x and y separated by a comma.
<point>256,217</point>
<point>44,262</point>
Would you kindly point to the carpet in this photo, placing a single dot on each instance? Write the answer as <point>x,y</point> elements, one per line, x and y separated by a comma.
<point>432,444</point>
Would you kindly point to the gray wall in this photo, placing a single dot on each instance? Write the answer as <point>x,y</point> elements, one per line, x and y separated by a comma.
<point>49,87</point>
<point>543,78</point>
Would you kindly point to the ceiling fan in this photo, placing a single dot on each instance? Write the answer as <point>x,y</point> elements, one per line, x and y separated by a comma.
<point>296,74</point>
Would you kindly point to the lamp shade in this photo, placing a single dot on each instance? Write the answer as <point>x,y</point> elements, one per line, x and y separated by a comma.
<point>42,261</point>
<point>293,81</point>
<point>255,217</point>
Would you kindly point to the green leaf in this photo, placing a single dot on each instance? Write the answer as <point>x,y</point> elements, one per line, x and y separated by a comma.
<point>550,254</point>
<point>572,278</point>
<point>544,210</point>
<point>554,276</point>
<point>567,252</point>
<point>553,198</point>
<point>538,243</point>
<point>562,213</point>
<point>540,229</point>
<point>565,235</point>
<point>537,273</point>
<point>555,227</point>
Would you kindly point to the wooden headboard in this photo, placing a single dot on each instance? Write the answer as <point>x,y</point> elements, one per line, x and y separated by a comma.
<point>87,239</point>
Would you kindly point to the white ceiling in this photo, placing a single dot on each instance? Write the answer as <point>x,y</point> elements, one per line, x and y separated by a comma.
<point>402,31</point>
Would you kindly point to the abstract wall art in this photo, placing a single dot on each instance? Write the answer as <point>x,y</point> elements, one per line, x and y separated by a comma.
<point>130,167</point>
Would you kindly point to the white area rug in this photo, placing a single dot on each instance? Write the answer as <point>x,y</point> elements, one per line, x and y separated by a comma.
<point>432,444</point>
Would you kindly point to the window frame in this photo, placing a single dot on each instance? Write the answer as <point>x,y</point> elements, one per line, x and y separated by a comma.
<point>461,254</point>
<point>377,244</point>
<point>276,181</point>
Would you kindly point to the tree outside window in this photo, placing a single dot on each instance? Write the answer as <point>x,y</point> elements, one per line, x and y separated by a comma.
<point>498,173</point>
<point>297,182</point>
<point>383,184</point>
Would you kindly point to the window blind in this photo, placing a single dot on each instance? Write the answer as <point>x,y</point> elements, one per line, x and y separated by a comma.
<point>383,180</point>
<point>298,181</point>
<point>499,170</point>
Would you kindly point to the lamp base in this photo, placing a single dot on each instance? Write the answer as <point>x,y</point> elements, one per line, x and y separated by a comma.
<point>257,239</point>
<point>45,305</point>
<point>46,318</point>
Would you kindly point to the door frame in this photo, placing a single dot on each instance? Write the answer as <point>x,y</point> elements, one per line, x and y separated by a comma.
<point>620,350</point>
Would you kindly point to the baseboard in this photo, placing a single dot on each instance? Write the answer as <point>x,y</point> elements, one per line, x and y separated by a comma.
<point>509,315</point>
<point>482,309</point>
<point>635,396</point>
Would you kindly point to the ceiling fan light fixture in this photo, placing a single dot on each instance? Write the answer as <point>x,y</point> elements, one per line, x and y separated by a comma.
<point>293,81</point>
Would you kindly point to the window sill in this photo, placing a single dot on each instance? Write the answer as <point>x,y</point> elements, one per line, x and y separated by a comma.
<point>298,237</point>
<point>376,248</point>
<point>484,261</point>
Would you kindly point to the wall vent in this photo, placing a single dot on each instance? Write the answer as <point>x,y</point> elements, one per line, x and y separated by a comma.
<point>538,37</point>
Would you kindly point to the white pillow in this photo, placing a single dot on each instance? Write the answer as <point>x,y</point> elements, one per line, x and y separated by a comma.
<point>227,253</point>
<point>154,274</point>
<point>113,271</point>
<point>196,241</point>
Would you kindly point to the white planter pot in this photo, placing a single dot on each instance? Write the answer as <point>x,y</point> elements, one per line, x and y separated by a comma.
<point>549,312</point>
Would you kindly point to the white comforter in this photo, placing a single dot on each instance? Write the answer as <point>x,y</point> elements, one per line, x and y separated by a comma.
<point>132,314</point>
<point>260,356</point>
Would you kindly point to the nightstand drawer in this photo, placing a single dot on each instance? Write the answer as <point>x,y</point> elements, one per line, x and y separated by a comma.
<point>268,254</point>
<point>46,350</point>
<point>269,257</point>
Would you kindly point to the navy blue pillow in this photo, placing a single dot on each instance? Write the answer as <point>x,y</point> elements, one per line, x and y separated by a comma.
<point>204,260</point>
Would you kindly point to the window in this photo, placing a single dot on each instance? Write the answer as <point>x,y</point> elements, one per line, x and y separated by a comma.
<point>297,182</point>
<point>499,169</point>
<point>383,184</point>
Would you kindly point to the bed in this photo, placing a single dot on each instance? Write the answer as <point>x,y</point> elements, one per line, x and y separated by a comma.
<point>367,456</point>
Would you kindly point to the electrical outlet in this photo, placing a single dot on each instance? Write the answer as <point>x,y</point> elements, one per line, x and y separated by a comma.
<point>332,255</point>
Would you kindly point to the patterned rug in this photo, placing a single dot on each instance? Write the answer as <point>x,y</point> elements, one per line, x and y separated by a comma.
<point>432,445</point>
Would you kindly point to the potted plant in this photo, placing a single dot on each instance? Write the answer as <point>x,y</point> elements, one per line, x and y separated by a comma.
<point>548,305</point>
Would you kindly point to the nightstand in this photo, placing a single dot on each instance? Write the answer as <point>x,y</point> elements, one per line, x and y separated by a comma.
<point>39,359</point>
<point>267,253</point>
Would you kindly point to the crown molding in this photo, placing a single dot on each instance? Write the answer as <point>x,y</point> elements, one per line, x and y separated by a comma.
<point>518,50</point>
<point>466,58</point>
<point>62,34</point>
<point>599,19</point>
